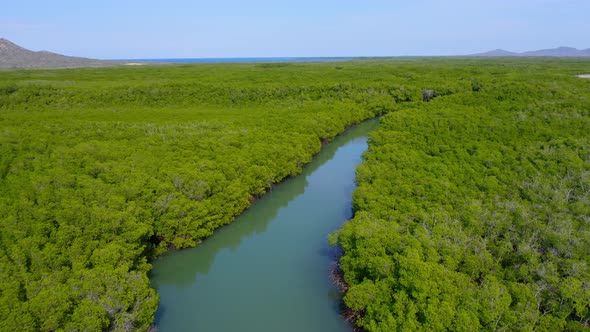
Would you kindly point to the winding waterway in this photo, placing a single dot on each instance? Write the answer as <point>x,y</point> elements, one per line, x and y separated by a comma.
<point>268,270</point>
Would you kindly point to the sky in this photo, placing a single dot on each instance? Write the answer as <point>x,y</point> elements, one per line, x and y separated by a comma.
<point>130,29</point>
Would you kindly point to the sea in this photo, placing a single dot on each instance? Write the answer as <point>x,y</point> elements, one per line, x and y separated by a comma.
<point>243,60</point>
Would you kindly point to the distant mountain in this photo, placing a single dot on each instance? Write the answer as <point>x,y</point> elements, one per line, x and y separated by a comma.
<point>553,52</point>
<point>13,56</point>
<point>560,51</point>
<point>497,52</point>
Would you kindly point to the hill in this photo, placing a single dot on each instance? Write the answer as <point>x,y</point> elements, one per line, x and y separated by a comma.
<point>552,52</point>
<point>560,52</point>
<point>498,52</point>
<point>13,56</point>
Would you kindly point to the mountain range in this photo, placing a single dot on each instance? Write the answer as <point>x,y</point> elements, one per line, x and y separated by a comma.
<point>552,52</point>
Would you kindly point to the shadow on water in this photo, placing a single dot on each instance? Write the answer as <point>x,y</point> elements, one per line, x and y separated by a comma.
<point>181,269</point>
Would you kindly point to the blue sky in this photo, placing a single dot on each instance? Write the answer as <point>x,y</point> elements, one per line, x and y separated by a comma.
<point>262,28</point>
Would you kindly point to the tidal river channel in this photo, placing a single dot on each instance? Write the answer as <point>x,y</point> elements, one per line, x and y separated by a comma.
<point>269,269</point>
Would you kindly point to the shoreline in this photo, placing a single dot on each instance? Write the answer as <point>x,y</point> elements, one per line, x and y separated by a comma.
<point>228,236</point>
<point>256,197</point>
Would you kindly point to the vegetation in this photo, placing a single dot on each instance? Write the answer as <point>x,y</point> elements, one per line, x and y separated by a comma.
<point>103,169</point>
<point>473,210</point>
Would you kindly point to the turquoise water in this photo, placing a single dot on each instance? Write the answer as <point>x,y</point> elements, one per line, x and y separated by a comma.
<point>268,270</point>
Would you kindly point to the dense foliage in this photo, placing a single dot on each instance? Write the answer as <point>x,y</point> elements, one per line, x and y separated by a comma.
<point>103,169</point>
<point>473,210</point>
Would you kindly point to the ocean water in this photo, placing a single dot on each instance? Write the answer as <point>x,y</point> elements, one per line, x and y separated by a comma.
<point>243,60</point>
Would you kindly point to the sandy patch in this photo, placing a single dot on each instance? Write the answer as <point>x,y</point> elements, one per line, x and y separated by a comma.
<point>584,76</point>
